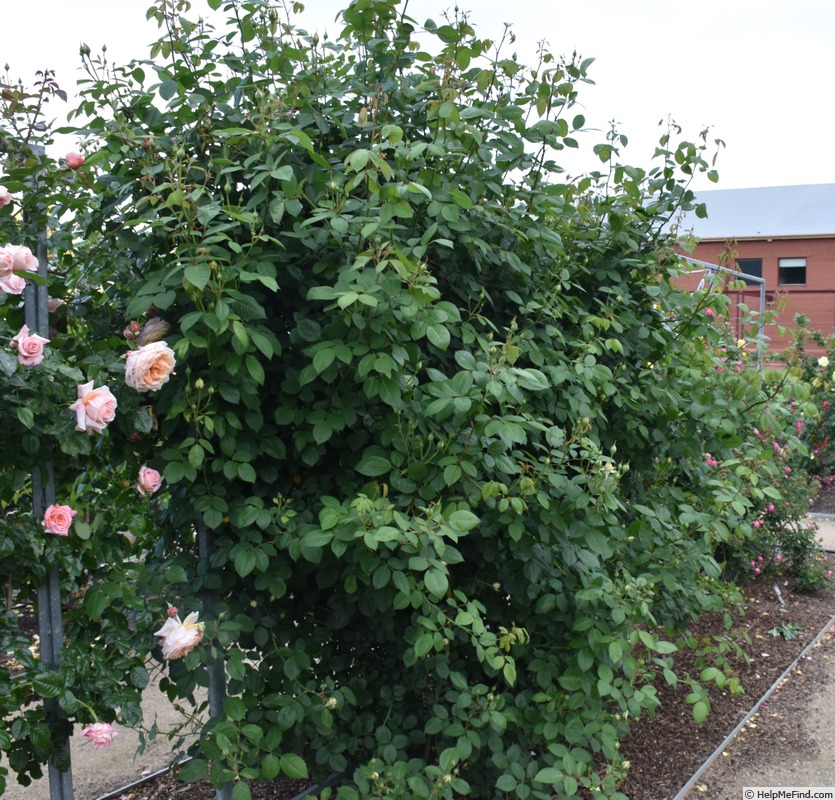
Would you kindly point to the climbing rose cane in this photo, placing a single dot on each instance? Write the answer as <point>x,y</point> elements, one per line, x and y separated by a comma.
<point>100,734</point>
<point>149,367</point>
<point>180,638</point>
<point>58,519</point>
<point>29,347</point>
<point>94,409</point>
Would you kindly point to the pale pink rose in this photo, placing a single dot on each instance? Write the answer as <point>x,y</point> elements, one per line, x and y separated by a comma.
<point>53,304</point>
<point>180,638</point>
<point>94,409</point>
<point>58,519</point>
<point>149,367</point>
<point>6,262</point>
<point>74,160</point>
<point>100,734</point>
<point>23,257</point>
<point>29,347</point>
<point>12,284</point>
<point>148,482</point>
<point>5,196</point>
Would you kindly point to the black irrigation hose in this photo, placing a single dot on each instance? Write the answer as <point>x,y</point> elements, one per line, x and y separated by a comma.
<point>729,738</point>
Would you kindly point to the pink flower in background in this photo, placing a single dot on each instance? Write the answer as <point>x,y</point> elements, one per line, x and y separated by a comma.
<point>53,304</point>
<point>709,312</point>
<point>180,638</point>
<point>74,160</point>
<point>148,482</point>
<point>757,523</point>
<point>94,409</point>
<point>788,470</point>
<point>149,367</point>
<point>129,536</point>
<point>29,347</point>
<point>770,507</point>
<point>5,196</point>
<point>22,257</point>
<point>132,330</point>
<point>58,519</point>
<point>757,571</point>
<point>710,460</point>
<point>778,558</point>
<point>100,734</point>
<point>172,611</point>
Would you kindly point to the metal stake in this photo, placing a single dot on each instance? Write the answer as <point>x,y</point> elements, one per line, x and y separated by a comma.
<point>216,670</point>
<point>50,622</point>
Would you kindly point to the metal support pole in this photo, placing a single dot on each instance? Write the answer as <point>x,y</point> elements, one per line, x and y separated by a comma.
<point>50,622</point>
<point>216,670</point>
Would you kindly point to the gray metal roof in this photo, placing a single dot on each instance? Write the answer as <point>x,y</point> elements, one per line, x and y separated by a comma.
<point>771,211</point>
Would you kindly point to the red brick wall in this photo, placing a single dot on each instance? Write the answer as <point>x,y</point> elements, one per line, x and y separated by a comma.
<point>816,299</point>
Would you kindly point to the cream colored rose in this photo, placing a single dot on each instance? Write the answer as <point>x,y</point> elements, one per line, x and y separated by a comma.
<point>149,367</point>
<point>180,638</point>
<point>94,409</point>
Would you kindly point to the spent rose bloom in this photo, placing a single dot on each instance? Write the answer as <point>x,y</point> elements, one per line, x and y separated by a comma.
<point>180,638</point>
<point>74,160</point>
<point>29,347</point>
<point>58,519</point>
<point>100,734</point>
<point>5,196</point>
<point>94,408</point>
<point>148,482</point>
<point>149,367</point>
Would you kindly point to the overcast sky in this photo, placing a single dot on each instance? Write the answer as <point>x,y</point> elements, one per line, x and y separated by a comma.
<point>759,72</point>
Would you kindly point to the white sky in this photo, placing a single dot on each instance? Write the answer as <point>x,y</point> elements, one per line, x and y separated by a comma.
<point>759,72</point>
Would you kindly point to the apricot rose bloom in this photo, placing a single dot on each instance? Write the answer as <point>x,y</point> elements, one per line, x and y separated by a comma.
<point>149,367</point>
<point>100,734</point>
<point>180,638</point>
<point>94,409</point>
<point>29,347</point>
<point>148,482</point>
<point>58,519</point>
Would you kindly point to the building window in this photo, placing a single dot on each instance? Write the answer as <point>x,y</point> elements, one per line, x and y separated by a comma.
<point>750,266</point>
<point>792,272</point>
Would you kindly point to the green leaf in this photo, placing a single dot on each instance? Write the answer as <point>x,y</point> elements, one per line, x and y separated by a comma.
<point>700,711</point>
<point>373,466</point>
<point>438,335</point>
<point>463,520</point>
<point>198,275</point>
<point>436,582</point>
<point>193,770</point>
<point>241,791</point>
<point>48,684</point>
<point>293,766</point>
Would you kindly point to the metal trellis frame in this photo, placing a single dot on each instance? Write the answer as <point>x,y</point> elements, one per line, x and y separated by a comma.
<point>704,266</point>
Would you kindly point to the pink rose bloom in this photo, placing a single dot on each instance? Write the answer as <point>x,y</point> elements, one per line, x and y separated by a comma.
<point>771,506</point>
<point>149,367</point>
<point>100,734</point>
<point>53,304</point>
<point>22,257</point>
<point>180,638</point>
<point>148,482</point>
<point>5,196</point>
<point>709,312</point>
<point>757,523</point>
<point>778,558</point>
<point>29,347</point>
<point>12,284</point>
<point>58,519</point>
<point>74,160</point>
<point>6,262</point>
<point>757,571</point>
<point>94,409</point>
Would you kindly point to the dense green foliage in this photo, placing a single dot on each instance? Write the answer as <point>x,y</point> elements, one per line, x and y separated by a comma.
<point>438,410</point>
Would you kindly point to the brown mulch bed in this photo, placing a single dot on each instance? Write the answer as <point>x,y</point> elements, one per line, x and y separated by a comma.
<point>666,751</point>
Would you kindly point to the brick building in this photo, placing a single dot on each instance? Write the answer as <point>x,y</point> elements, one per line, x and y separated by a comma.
<point>784,234</point>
